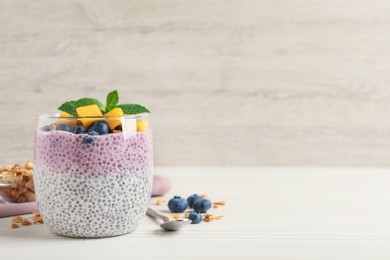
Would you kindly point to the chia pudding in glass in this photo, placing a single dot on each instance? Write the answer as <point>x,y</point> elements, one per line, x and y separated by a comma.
<point>93,175</point>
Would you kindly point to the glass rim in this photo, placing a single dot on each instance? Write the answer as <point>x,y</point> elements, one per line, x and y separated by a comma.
<point>57,116</point>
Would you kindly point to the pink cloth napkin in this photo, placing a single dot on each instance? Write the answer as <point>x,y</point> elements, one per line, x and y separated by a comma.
<point>161,186</point>
<point>13,209</point>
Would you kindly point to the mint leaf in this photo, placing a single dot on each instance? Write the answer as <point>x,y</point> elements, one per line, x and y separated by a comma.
<point>69,107</point>
<point>90,101</point>
<point>133,109</point>
<point>112,100</point>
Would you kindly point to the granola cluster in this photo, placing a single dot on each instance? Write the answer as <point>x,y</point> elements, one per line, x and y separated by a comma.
<point>160,201</point>
<point>21,221</point>
<point>211,217</point>
<point>217,204</point>
<point>17,183</point>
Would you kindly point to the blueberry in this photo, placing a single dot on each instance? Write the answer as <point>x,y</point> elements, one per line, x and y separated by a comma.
<point>63,127</point>
<point>100,127</point>
<point>92,132</point>
<point>90,139</point>
<point>195,217</point>
<point>202,205</point>
<point>192,199</point>
<point>46,128</point>
<point>79,129</point>
<point>177,204</point>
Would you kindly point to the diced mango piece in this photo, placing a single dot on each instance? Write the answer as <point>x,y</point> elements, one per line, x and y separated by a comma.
<point>70,122</point>
<point>142,125</point>
<point>114,121</point>
<point>90,110</point>
<point>64,114</point>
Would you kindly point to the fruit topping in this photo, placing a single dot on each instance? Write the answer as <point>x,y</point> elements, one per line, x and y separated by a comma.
<point>70,107</point>
<point>90,138</point>
<point>46,128</point>
<point>63,127</point>
<point>79,129</point>
<point>99,127</point>
<point>142,125</point>
<point>93,133</point>
<point>88,111</point>
<point>70,122</point>
<point>114,122</point>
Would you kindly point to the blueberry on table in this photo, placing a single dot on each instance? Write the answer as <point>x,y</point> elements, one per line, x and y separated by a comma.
<point>79,129</point>
<point>202,205</point>
<point>177,204</point>
<point>100,127</point>
<point>195,217</point>
<point>46,128</point>
<point>192,199</point>
<point>63,127</point>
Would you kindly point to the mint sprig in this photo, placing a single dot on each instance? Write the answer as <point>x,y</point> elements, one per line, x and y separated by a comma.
<point>112,100</point>
<point>111,103</point>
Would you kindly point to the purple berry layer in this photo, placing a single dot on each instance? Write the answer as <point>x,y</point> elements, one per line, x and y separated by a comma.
<point>68,153</point>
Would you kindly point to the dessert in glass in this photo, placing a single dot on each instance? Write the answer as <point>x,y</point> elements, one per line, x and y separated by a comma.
<point>94,170</point>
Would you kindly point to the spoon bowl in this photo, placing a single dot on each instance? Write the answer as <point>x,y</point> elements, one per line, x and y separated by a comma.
<point>170,225</point>
<point>174,225</point>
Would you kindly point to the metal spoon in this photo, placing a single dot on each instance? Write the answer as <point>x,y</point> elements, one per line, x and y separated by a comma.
<point>171,225</point>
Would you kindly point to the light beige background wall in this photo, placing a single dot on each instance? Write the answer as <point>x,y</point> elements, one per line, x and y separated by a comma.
<point>228,82</point>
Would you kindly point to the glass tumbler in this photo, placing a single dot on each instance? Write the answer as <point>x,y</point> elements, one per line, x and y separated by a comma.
<point>93,185</point>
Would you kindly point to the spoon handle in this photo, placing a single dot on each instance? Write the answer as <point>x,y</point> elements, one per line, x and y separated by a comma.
<point>153,213</point>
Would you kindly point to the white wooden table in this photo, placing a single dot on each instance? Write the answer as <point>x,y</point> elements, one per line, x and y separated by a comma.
<point>271,214</point>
